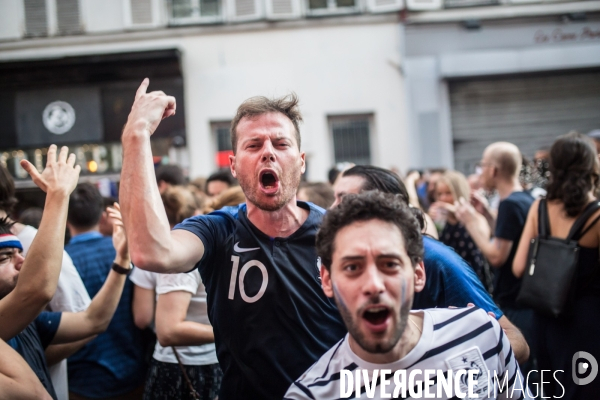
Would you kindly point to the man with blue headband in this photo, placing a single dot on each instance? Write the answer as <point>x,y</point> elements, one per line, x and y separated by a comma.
<point>28,284</point>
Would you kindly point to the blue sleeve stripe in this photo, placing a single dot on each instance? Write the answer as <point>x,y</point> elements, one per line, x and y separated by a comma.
<point>456,317</point>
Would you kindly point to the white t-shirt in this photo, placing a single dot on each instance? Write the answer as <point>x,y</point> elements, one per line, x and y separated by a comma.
<point>456,339</point>
<point>197,312</point>
<point>71,295</point>
<point>144,279</point>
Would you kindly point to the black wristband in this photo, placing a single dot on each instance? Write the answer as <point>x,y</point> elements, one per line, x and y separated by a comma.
<point>120,270</point>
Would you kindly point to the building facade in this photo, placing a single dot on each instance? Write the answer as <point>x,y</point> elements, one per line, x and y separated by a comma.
<point>425,83</point>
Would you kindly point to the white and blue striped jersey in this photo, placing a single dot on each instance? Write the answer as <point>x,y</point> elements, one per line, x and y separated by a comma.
<point>452,339</point>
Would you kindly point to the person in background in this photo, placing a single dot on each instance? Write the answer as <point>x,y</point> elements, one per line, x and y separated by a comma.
<point>433,175</point>
<point>27,284</point>
<point>229,197</point>
<point>574,175</point>
<point>70,295</point>
<point>169,175</point>
<point>179,301</point>
<point>31,216</point>
<point>219,181</point>
<point>185,341</point>
<point>319,193</point>
<point>450,282</point>
<point>111,365</point>
<point>452,186</point>
<point>500,168</point>
<point>105,226</point>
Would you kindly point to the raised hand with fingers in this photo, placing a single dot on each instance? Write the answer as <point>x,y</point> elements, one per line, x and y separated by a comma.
<point>60,175</point>
<point>148,110</point>
<point>119,237</point>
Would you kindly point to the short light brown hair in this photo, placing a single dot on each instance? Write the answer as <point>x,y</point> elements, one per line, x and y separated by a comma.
<point>255,106</point>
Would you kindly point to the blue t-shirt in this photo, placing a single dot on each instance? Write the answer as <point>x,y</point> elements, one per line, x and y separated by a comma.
<point>450,281</point>
<point>512,215</point>
<point>32,342</point>
<point>269,314</point>
<point>113,363</point>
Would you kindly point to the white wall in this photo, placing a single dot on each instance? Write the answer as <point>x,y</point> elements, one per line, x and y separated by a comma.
<point>11,19</point>
<point>334,68</point>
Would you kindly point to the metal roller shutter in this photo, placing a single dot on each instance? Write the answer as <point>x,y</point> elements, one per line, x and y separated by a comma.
<point>529,111</point>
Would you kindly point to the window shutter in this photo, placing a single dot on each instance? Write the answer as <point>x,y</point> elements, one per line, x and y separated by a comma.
<point>424,5</point>
<point>245,10</point>
<point>142,13</point>
<point>36,18</point>
<point>283,9</point>
<point>67,15</point>
<point>381,6</point>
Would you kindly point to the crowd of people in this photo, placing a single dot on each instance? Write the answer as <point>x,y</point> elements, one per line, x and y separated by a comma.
<point>252,284</point>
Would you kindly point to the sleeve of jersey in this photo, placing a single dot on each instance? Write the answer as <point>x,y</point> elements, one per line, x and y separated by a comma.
<point>462,286</point>
<point>211,229</point>
<point>47,324</point>
<point>512,384</point>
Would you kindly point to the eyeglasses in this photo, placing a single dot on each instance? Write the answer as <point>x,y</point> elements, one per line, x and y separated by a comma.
<point>7,255</point>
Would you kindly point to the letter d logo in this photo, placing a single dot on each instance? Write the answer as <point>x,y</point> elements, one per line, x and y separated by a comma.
<point>582,367</point>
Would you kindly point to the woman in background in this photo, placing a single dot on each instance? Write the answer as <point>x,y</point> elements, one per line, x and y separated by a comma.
<point>449,188</point>
<point>574,172</point>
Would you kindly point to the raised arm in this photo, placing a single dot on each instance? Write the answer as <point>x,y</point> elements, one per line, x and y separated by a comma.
<point>153,246</point>
<point>17,380</point>
<point>39,274</point>
<point>94,320</point>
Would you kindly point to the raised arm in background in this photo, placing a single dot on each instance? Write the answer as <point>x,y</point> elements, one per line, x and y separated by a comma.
<point>94,320</point>
<point>39,274</point>
<point>17,380</point>
<point>153,246</point>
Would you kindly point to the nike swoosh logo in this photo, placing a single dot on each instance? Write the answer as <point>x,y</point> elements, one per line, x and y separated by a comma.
<point>238,249</point>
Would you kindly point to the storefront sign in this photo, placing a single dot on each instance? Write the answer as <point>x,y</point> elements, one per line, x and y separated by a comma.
<point>93,159</point>
<point>561,35</point>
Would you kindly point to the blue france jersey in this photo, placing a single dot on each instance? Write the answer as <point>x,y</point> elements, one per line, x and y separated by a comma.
<point>270,316</point>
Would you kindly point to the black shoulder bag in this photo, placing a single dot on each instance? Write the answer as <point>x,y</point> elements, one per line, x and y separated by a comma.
<point>552,263</point>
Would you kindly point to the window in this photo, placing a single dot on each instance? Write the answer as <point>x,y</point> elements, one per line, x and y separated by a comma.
<point>222,139</point>
<point>51,17</point>
<point>320,7</point>
<point>194,11</point>
<point>351,138</point>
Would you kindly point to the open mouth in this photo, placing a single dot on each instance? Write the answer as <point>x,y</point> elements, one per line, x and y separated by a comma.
<point>269,181</point>
<point>376,316</point>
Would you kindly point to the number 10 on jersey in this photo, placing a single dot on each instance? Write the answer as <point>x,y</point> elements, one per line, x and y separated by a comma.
<point>245,268</point>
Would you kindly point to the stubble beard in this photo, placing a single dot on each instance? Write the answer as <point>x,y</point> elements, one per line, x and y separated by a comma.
<point>359,337</point>
<point>288,186</point>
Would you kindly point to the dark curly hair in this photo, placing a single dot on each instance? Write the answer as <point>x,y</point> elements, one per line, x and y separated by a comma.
<point>364,207</point>
<point>385,181</point>
<point>573,171</point>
